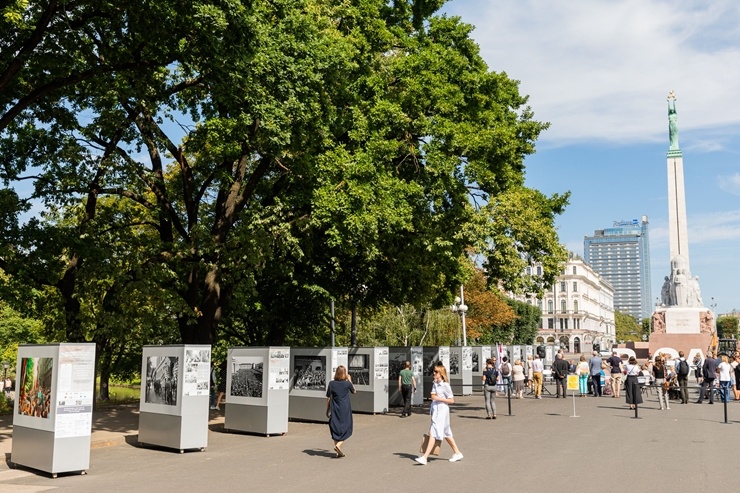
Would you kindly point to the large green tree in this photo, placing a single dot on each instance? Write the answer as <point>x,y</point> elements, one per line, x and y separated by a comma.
<point>727,326</point>
<point>352,151</point>
<point>626,327</point>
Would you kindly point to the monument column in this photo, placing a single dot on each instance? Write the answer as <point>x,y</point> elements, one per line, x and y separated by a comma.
<point>677,229</point>
<point>681,322</point>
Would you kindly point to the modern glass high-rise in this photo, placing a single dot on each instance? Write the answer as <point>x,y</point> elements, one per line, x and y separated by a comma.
<point>621,254</point>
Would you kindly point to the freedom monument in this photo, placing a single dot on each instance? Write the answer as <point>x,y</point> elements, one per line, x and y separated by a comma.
<point>680,321</point>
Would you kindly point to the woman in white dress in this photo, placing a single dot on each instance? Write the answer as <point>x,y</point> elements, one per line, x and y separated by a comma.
<point>441,397</point>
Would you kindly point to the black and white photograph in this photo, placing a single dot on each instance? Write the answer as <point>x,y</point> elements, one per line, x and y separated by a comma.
<point>396,363</point>
<point>309,372</point>
<point>246,376</point>
<point>198,355</point>
<point>430,360</point>
<point>359,368</point>
<point>454,362</point>
<point>161,380</point>
<point>475,361</point>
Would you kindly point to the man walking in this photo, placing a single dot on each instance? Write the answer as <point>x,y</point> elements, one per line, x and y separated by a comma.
<point>682,373</point>
<point>594,369</point>
<point>406,385</point>
<point>710,371</point>
<point>616,373</point>
<point>560,372</point>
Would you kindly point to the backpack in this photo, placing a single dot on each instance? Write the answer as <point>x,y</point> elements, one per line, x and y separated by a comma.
<point>683,368</point>
<point>505,370</point>
<point>491,376</point>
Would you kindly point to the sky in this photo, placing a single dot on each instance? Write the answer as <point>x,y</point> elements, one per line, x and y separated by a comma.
<point>599,72</point>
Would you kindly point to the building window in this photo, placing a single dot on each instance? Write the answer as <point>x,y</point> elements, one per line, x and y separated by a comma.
<point>563,324</point>
<point>550,323</point>
<point>529,271</point>
<point>574,270</point>
<point>575,287</point>
<point>539,270</point>
<point>562,286</point>
<point>576,324</point>
<point>563,307</point>
<point>550,308</point>
<point>575,306</point>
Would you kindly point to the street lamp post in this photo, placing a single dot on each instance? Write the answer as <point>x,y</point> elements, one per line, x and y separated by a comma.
<point>460,307</point>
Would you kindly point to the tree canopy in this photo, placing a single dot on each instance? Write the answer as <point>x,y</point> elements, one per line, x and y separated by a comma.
<point>223,169</point>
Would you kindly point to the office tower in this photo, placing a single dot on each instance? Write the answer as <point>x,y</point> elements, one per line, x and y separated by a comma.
<point>621,254</point>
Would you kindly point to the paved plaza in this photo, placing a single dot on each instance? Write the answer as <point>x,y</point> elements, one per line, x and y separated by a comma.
<point>541,446</point>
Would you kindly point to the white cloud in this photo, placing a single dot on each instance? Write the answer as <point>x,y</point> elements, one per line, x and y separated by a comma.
<point>730,184</point>
<point>601,69</point>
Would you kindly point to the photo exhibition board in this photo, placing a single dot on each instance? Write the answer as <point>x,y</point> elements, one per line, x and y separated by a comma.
<point>161,379</point>
<point>75,390</point>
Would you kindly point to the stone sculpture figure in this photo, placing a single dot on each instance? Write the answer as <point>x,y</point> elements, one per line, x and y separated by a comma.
<point>695,292</point>
<point>681,288</point>
<point>706,322</point>
<point>665,293</point>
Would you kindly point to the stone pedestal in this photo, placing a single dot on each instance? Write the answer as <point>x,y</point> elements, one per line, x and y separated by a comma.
<point>682,328</point>
<point>688,343</point>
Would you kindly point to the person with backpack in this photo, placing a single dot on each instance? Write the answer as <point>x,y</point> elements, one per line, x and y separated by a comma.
<point>490,376</point>
<point>682,373</point>
<point>505,372</point>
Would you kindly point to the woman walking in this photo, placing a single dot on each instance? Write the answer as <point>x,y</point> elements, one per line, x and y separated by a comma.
<point>659,374</point>
<point>490,375</point>
<point>441,397</point>
<point>632,387</point>
<point>339,409</point>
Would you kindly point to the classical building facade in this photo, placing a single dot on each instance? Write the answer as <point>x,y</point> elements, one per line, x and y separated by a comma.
<point>578,312</point>
<point>621,254</point>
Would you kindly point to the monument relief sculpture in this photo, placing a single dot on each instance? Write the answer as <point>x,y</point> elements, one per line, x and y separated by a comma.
<point>658,322</point>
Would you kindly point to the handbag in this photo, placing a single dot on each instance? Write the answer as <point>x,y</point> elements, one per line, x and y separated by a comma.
<point>425,442</point>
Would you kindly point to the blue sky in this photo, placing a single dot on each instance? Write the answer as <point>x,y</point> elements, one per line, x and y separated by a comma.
<point>599,71</point>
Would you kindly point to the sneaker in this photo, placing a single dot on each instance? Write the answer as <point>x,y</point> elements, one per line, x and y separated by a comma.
<point>456,457</point>
<point>213,407</point>
<point>421,460</point>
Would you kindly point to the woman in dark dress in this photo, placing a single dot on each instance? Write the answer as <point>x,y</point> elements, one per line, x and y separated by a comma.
<point>339,409</point>
<point>631,386</point>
